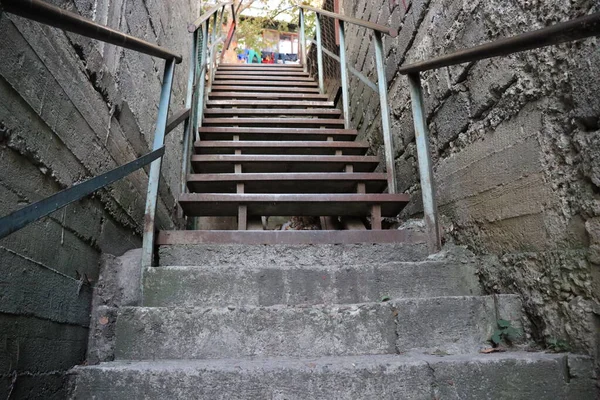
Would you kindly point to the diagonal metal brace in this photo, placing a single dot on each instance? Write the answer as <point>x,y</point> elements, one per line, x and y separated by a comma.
<point>21,218</point>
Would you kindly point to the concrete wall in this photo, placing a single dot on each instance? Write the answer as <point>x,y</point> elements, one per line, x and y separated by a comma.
<point>72,108</point>
<point>515,143</point>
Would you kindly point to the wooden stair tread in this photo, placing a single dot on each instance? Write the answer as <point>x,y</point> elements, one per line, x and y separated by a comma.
<point>235,65</point>
<point>276,131</point>
<point>280,147</point>
<point>251,88</point>
<point>268,103</point>
<point>264,77</point>
<point>269,96</point>
<point>340,182</point>
<point>261,68</point>
<point>268,134</point>
<point>249,72</point>
<point>254,112</point>
<point>356,205</point>
<point>261,121</point>
<point>224,163</point>
<point>310,84</point>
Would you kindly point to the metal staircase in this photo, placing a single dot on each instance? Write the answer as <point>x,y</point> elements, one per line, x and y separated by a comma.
<point>272,145</point>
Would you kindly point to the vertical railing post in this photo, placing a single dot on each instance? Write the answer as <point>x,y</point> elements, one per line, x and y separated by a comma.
<point>425,166</point>
<point>202,64</point>
<point>320,55</point>
<point>213,49</point>
<point>302,38</point>
<point>344,77</point>
<point>221,18</point>
<point>154,175</point>
<point>385,114</point>
<point>188,123</point>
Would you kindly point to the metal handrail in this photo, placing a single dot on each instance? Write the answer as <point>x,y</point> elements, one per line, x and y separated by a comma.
<point>193,27</point>
<point>355,21</point>
<point>575,29</point>
<point>54,16</point>
<point>381,87</point>
<point>33,212</point>
<point>566,31</point>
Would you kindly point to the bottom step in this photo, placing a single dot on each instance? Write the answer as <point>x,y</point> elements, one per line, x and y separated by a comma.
<point>512,376</point>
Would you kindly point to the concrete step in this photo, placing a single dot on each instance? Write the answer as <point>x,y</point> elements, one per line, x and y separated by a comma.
<point>452,325</point>
<point>267,285</point>
<point>514,376</point>
<point>279,255</point>
<point>412,242</point>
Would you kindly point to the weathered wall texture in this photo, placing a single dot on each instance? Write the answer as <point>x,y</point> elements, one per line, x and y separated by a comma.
<point>72,108</point>
<point>515,142</point>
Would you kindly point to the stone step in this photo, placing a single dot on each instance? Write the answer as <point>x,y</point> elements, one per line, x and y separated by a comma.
<point>514,376</point>
<point>258,285</point>
<point>414,243</point>
<point>451,325</point>
<point>278,255</point>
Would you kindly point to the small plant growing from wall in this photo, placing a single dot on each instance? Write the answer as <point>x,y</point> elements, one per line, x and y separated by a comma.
<point>558,345</point>
<point>506,333</point>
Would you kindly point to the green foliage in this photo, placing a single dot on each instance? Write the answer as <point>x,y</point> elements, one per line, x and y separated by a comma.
<point>558,345</point>
<point>385,298</point>
<point>505,332</point>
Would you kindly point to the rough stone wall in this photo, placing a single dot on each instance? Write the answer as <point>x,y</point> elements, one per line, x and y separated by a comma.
<point>72,108</point>
<point>515,144</point>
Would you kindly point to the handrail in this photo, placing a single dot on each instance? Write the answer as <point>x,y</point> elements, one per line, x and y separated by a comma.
<point>193,27</point>
<point>33,212</point>
<point>40,11</point>
<point>575,29</point>
<point>366,24</point>
<point>380,88</point>
<point>562,32</point>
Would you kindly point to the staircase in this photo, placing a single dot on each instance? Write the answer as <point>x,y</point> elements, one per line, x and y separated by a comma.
<point>272,145</point>
<point>340,314</point>
<point>369,321</point>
